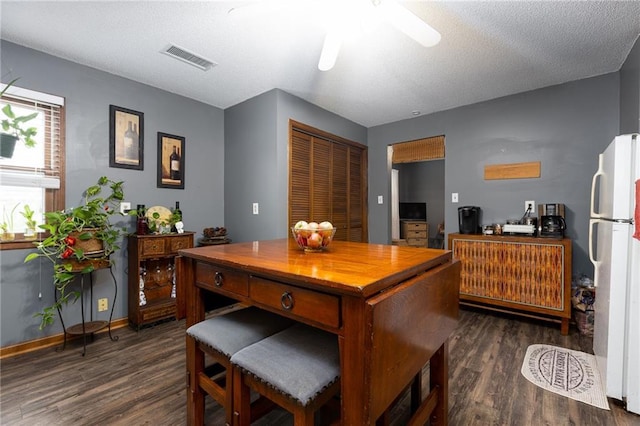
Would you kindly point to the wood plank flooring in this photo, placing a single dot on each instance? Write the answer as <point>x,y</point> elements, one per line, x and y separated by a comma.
<point>140,380</point>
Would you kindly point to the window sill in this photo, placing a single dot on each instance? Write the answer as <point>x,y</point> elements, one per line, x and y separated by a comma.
<point>18,244</point>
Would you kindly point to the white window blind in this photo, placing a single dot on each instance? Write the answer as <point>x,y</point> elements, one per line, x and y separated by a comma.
<point>33,175</point>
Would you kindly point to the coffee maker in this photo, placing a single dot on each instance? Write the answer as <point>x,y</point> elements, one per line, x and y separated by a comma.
<point>469,220</point>
<point>552,223</point>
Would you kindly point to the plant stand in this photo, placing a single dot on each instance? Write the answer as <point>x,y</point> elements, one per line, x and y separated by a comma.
<point>89,328</point>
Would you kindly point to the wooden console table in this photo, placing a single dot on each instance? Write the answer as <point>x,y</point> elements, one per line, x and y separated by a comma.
<point>527,276</point>
<point>393,309</point>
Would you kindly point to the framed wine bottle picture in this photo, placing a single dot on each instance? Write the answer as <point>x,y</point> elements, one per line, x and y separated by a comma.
<point>170,161</point>
<point>126,138</point>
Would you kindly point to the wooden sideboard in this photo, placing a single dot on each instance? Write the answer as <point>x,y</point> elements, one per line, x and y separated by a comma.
<point>524,275</point>
<point>153,294</point>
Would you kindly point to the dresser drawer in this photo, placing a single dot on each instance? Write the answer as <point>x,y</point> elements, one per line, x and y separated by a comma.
<point>179,243</point>
<point>417,242</point>
<point>152,247</point>
<point>415,234</point>
<point>222,280</point>
<point>414,226</point>
<point>317,307</point>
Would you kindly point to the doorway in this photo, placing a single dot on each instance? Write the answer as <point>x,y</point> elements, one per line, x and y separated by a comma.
<point>418,170</point>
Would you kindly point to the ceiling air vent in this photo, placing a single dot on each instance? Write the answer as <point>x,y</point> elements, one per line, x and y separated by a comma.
<point>188,57</point>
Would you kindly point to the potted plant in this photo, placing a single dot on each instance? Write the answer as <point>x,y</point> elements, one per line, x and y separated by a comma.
<point>80,239</point>
<point>6,226</point>
<point>30,231</point>
<point>14,129</point>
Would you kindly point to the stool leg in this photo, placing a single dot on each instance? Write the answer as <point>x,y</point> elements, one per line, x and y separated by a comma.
<point>241,399</point>
<point>304,417</point>
<point>195,395</point>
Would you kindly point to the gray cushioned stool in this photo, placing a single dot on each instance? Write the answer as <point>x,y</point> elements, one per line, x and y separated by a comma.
<point>221,337</point>
<point>297,368</point>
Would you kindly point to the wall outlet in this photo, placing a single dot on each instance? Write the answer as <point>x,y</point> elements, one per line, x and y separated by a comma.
<point>256,208</point>
<point>532,204</point>
<point>125,206</point>
<point>103,304</point>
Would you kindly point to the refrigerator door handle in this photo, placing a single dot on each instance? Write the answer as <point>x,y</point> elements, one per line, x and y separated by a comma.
<point>599,173</point>
<point>596,263</point>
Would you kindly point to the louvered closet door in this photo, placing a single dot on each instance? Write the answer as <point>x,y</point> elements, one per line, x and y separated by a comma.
<point>327,183</point>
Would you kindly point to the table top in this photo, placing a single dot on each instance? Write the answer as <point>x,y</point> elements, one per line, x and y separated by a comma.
<point>358,269</point>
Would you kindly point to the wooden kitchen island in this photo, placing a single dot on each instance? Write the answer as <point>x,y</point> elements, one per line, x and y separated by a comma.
<point>393,309</point>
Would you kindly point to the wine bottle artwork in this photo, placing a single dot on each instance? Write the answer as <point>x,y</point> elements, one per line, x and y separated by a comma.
<point>131,143</point>
<point>171,161</point>
<point>126,138</point>
<point>175,164</point>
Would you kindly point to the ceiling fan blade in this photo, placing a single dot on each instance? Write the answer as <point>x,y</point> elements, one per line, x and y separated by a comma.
<point>330,50</point>
<point>405,21</point>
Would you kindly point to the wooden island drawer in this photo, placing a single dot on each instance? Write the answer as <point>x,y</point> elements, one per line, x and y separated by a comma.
<point>223,280</point>
<point>308,304</point>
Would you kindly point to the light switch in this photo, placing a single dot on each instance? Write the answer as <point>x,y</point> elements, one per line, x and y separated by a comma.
<point>454,197</point>
<point>380,199</point>
<point>256,208</point>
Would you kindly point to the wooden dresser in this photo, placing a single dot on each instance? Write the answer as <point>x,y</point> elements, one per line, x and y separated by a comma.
<point>152,261</point>
<point>415,233</point>
<point>524,275</point>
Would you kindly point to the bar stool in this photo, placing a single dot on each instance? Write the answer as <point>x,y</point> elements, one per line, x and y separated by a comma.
<point>220,337</point>
<point>297,368</point>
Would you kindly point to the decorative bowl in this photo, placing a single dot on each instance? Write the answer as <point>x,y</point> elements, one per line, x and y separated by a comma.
<point>313,241</point>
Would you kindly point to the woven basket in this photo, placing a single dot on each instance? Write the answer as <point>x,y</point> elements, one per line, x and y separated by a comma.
<point>92,247</point>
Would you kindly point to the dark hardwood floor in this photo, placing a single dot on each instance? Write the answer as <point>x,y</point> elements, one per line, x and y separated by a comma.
<point>140,379</point>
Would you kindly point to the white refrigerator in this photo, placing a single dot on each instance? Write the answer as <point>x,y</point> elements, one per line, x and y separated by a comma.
<point>615,254</point>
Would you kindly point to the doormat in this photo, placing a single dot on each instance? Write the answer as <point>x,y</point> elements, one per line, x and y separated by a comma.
<point>568,373</point>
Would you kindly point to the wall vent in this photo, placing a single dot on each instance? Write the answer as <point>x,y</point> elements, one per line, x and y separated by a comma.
<point>188,57</point>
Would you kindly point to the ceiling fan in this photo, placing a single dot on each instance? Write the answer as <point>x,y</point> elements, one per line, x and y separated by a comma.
<point>398,16</point>
<point>340,17</point>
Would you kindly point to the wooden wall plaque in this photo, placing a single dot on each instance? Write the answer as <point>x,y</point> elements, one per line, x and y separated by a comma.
<point>512,171</point>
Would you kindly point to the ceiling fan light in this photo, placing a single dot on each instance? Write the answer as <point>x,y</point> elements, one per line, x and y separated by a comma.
<point>330,50</point>
<point>414,27</point>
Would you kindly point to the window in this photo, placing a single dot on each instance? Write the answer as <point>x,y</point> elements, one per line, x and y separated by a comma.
<point>33,176</point>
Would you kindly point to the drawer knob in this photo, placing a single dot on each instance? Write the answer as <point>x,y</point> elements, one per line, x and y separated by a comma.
<point>218,280</point>
<point>286,301</point>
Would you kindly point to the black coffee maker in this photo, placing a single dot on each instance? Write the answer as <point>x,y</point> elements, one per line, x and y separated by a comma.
<point>469,220</point>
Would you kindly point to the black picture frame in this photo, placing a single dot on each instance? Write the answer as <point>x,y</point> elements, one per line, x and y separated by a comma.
<point>168,147</point>
<point>126,138</point>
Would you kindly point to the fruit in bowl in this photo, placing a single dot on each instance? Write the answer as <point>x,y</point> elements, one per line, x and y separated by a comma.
<point>313,236</point>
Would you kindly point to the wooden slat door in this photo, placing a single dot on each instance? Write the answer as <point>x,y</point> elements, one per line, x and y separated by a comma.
<point>327,181</point>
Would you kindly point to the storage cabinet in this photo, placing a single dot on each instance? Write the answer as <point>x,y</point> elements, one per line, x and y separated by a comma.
<point>415,232</point>
<point>153,276</point>
<point>523,275</point>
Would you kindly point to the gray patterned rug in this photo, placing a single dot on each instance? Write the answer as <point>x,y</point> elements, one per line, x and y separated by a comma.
<point>569,373</point>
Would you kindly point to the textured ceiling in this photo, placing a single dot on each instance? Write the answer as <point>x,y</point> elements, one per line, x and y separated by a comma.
<point>488,49</point>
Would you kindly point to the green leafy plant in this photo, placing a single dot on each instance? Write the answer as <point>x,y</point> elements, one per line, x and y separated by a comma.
<point>70,229</point>
<point>7,220</point>
<point>15,125</point>
<point>27,213</point>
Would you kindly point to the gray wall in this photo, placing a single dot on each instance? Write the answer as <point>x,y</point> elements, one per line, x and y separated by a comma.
<point>424,182</point>
<point>565,127</point>
<point>630,92</point>
<point>88,94</point>
<point>256,160</point>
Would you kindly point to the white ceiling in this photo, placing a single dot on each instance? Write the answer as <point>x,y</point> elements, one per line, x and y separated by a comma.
<point>488,49</point>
